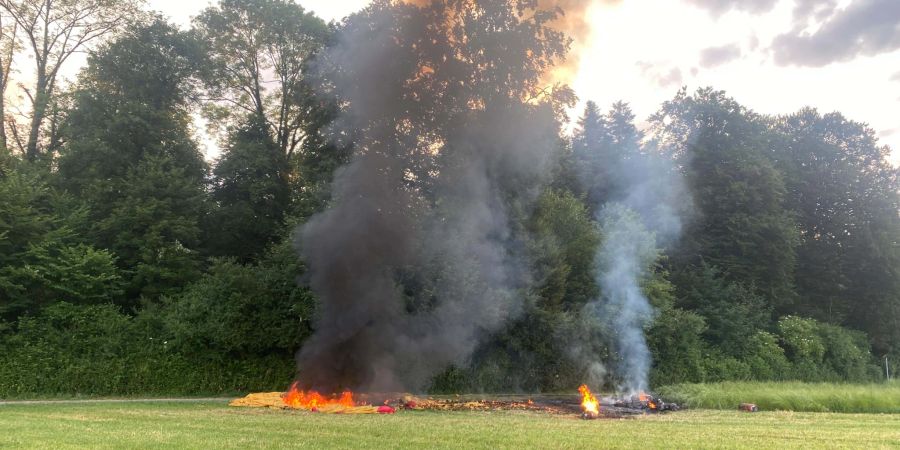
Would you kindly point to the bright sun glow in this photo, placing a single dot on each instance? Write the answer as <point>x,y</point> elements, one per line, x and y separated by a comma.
<point>643,51</point>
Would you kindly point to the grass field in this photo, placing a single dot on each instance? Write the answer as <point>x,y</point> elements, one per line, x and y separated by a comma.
<point>809,397</point>
<point>214,425</point>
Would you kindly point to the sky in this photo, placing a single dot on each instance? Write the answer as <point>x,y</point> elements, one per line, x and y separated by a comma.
<point>774,56</point>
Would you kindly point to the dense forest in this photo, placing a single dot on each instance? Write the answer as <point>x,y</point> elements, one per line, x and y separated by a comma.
<point>129,264</point>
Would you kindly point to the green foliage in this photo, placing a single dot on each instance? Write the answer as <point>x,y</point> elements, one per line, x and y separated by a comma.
<point>600,146</point>
<point>153,226</point>
<point>96,351</point>
<point>742,225</point>
<point>793,396</point>
<point>733,313</point>
<point>238,312</point>
<point>823,352</point>
<point>793,217</point>
<point>844,191</point>
<point>251,193</point>
<point>42,260</point>
<point>766,358</point>
<point>676,344</point>
<point>130,156</point>
<point>564,243</point>
<point>256,58</point>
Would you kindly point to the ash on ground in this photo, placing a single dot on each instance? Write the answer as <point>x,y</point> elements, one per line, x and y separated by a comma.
<point>569,405</point>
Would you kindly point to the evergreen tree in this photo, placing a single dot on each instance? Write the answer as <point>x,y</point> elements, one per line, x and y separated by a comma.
<point>43,259</point>
<point>741,223</point>
<point>130,156</point>
<point>250,192</point>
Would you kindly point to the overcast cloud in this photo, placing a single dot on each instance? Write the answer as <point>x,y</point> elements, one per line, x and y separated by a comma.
<point>718,7</point>
<point>716,56</point>
<point>864,28</point>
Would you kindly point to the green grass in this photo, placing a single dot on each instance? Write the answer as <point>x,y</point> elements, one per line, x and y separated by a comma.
<point>214,425</point>
<point>789,396</point>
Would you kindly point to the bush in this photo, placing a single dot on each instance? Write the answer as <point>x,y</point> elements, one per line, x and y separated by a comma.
<point>677,348</point>
<point>766,359</point>
<point>78,350</point>
<point>240,311</point>
<point>822,352</point>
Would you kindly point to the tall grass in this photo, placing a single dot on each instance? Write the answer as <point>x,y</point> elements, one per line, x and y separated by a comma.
<point>789,396</point>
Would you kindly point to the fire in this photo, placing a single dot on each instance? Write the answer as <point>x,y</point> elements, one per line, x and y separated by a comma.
<point>589,403</point>
<point>647,399</point>
<point>312,400</point>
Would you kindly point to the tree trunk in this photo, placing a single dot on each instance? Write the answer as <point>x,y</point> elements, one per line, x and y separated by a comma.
<point>37,117</point>
<point>2,117</point>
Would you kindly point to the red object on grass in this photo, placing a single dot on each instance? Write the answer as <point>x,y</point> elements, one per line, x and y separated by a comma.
<point>386,410</point>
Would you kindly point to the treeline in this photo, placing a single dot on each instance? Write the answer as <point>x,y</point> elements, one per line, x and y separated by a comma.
<point>131,265</point>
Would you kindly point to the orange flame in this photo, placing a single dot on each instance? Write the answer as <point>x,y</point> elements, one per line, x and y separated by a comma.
<point>312,400</point>
<point>589,403</point>
<point>644,398</point>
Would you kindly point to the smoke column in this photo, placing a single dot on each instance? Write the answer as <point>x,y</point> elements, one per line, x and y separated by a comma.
<point>415,262</point>
<point>642,214</point>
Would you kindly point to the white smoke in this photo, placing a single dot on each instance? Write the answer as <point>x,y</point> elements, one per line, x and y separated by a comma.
<point>641,215</point>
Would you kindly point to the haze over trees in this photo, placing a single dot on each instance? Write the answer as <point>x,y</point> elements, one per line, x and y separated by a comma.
<point>129,264</point>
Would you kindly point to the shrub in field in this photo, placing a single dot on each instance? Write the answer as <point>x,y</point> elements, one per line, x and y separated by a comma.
<point>823,352</point>
<point>765,358</point>
<point>847,353</point>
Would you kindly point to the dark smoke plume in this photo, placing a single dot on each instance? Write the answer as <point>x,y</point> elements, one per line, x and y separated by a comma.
<point>417,260</point>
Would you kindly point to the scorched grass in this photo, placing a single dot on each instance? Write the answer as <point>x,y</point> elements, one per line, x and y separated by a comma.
<point>213,425</point>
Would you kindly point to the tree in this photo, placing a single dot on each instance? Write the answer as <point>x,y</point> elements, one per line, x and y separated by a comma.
<point>54,30</point>
<point>845,193</point>
<point>43,259</point>
<point>8,46</point>
<point>732,312</point>
<point>601,146</point>
<point>250,192</point>
<point>129,154</point>
<point>247,43</point>
<point>565,241</point>
<point>742,224</point>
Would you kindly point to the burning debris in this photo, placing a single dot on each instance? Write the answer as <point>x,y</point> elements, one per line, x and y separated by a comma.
<point>646,402</point>
<point>589,404</point>
<point>312,401</point>
<point>586,404</point>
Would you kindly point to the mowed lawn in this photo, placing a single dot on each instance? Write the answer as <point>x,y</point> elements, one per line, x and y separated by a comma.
<point>214,425</point>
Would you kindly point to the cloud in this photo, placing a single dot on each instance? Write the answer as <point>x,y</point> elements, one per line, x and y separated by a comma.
<point>753,43</point>
<point>719,7</point>
<point>663,77</point>
<point>817,10</point>
<point>864,28</point>
<point>895,77</point>
<point>716,56</point>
